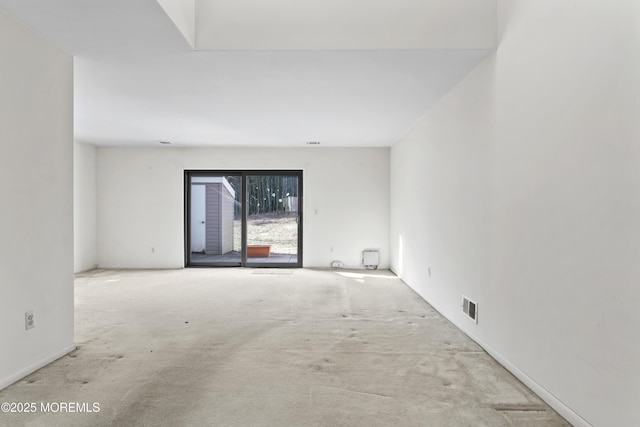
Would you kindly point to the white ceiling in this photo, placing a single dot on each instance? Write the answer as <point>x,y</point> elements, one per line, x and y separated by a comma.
<point>340,24</point>
<point>345,73</point>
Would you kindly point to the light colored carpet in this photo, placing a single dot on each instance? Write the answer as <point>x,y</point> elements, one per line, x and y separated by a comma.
<point>226,347</point>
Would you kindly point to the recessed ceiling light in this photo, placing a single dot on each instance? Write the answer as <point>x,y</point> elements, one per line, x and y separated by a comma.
<point>313,142</point>
<point>164,142</point>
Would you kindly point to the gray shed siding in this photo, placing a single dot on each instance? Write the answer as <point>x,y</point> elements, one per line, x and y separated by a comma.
<point>219,219</point>
<point>227,216</point>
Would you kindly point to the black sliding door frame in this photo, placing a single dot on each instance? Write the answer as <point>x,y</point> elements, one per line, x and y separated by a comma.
<point>243,174</point>
<point>188,175</point>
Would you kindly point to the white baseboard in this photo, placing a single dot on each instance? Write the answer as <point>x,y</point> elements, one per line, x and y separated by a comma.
<point>562,409</point>
<point>5,382</point>
<point>566,412</point>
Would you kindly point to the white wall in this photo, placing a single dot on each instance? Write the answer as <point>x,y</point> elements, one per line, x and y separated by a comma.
<point>36,209</point>
<point>521,189</point>
<point>183,16</point>
<point>84,207</point>
<point>141,207</point>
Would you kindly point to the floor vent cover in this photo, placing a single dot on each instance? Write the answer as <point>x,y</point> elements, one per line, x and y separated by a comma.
<point>470,308</point>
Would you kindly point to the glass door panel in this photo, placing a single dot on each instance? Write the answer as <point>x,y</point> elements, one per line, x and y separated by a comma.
<point>215,220</point>
<point>273,226</point>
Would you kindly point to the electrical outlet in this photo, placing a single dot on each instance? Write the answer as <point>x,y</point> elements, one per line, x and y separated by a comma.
<point>29,320</point>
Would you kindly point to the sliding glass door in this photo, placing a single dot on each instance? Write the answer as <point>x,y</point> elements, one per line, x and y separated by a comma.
<point>243,218</point>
